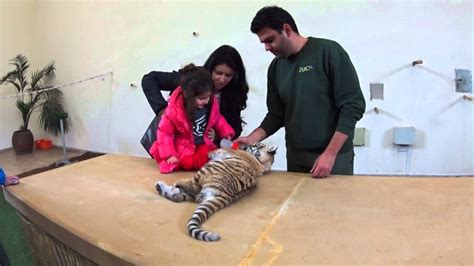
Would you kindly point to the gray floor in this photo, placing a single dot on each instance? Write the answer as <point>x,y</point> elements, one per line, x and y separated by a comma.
<point>14,164</point>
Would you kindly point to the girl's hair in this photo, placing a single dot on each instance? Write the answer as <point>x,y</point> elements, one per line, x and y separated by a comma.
<point>233,97</point>
<point>194,82</point>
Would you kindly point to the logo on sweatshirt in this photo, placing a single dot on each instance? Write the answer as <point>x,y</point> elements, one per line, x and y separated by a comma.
<point>303,69</point>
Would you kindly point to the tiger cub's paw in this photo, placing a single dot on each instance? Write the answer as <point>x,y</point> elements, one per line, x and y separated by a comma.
<point>170,192</point>
<point>163,188</point>
<point>158,187</point>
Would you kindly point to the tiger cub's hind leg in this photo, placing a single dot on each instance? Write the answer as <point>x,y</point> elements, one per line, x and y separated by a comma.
<point>173,193</point>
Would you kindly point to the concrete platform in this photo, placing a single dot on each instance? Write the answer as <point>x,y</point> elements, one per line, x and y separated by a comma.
<point>106,209</point>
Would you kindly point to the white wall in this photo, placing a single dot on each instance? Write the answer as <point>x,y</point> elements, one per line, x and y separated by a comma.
<point>131,38</point>
<point>16,36</point>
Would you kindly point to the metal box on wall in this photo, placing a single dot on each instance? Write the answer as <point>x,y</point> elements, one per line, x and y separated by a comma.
<point>359,136</point>
<point>404,135</point>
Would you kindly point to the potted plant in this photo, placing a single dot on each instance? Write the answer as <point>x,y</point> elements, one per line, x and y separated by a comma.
<point>33,95</point>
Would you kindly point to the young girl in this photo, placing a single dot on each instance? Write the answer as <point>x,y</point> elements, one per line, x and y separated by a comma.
<point>182,136</point>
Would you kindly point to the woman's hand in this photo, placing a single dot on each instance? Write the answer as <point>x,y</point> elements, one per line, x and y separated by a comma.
<point>172,160</point>
<point>211,134</point>
<point>161,112</point>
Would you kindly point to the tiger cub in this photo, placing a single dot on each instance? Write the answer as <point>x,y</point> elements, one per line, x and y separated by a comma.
<point>227,177</point>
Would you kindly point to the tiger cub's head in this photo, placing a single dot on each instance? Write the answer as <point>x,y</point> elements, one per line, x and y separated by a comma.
<point>265,154</point>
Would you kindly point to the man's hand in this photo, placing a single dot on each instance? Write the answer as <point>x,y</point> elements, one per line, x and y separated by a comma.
<point>172,159</point>
<point>257,135</point>
<point>244,140</point>
<point>323,165</point>
<point>11,180</point>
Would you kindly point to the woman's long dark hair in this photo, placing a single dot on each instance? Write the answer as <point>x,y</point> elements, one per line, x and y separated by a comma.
<point>194,82</point>
<point>233,97</point>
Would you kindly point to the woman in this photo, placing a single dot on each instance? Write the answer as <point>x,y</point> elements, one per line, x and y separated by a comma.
<point>228,73</point>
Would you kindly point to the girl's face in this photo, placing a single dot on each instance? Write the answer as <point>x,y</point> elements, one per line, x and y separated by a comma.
<point>221,75</point>
<point>201,100</point>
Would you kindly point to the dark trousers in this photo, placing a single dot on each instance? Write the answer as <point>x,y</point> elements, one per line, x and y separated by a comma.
<point>3,257</point>
<point>303,161</point>
<point>150,134</point>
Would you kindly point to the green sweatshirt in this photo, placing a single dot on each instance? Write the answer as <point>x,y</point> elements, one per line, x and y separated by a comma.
<point>314,93</point>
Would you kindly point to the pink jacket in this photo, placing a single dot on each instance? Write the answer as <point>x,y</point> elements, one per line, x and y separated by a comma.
<point>175,134</point>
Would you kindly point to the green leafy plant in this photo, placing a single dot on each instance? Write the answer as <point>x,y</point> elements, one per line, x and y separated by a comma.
<point>33,95</point>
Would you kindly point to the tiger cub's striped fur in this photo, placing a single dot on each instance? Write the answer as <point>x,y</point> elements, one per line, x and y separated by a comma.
<point>229,175</point>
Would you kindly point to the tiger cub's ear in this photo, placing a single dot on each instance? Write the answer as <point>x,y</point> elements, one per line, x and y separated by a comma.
<point>272,150</point>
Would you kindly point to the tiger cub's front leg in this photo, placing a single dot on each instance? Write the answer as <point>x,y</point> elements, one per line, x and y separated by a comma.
<point>176,193</point>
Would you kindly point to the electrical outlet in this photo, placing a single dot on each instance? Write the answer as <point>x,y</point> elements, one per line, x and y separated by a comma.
<point>376,91</point>
<point>463,80</point>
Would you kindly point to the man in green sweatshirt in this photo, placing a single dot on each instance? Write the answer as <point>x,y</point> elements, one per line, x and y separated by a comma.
<point>313,91</point>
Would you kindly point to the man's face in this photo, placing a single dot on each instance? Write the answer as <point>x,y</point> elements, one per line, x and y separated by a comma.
<point>276,43</point>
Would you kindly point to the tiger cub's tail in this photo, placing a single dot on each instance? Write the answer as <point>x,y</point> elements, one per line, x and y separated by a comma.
<point>200,215</point>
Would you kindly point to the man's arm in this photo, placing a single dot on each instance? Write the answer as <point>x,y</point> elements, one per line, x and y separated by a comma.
<point>351,104</point>
<point>347,92</point>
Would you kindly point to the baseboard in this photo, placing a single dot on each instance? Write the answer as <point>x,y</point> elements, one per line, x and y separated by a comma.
<point>6,149</point>
<point>69,149</point>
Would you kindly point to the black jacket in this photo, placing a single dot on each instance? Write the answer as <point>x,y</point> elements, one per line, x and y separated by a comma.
<point>156,81</point>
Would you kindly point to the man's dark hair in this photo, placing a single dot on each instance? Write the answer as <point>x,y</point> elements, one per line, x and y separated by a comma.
<point>272,17</point>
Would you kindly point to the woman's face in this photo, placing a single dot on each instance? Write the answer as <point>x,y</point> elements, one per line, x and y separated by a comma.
<point>221,75</point>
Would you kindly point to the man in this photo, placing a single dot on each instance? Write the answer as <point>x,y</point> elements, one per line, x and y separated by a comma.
<point>313,91</point>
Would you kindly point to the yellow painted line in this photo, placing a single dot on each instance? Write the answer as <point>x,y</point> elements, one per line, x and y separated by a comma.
<point>264,236</point>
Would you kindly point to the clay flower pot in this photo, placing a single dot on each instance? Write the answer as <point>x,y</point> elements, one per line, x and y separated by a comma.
<point>22,141</point>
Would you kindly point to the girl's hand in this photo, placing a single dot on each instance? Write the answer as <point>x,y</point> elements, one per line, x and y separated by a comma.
<point>172,160</point>
<point>211,134</point>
